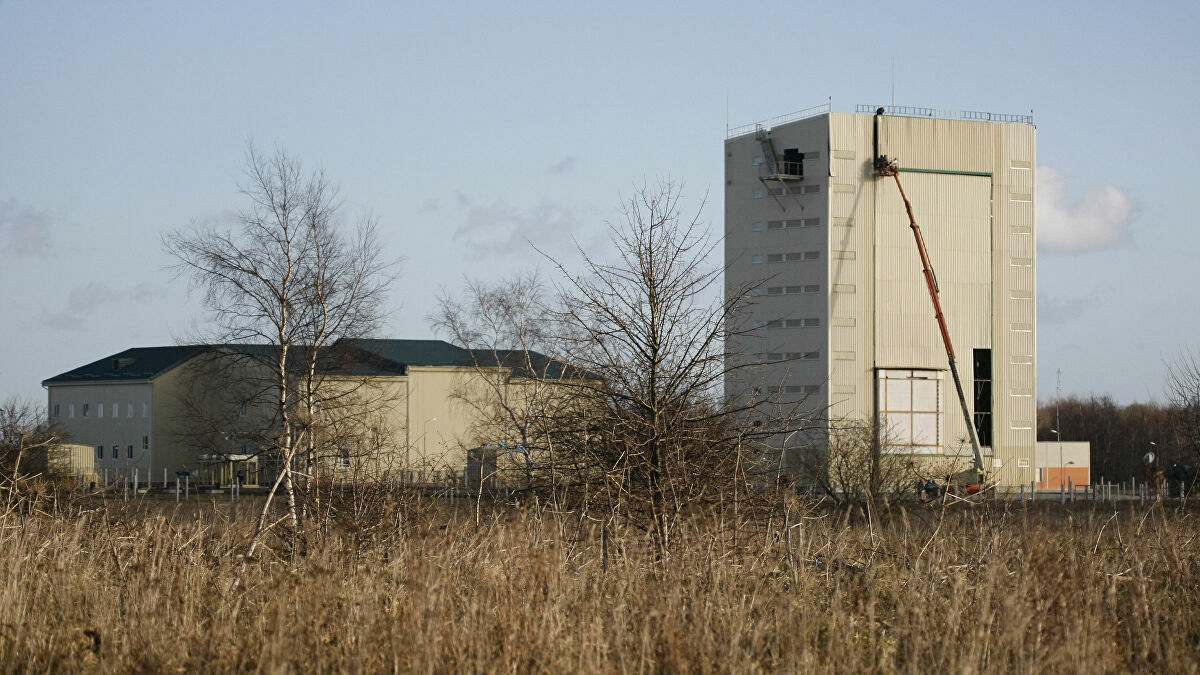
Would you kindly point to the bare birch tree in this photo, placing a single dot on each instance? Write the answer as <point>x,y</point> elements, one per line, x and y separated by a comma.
<point>281,288</point>
<point>514,390</point>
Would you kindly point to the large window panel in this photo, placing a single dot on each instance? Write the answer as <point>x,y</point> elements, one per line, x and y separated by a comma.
<point>911,409</point>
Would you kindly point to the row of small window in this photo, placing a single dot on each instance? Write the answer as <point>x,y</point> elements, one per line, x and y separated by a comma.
<point>802,389</point>
<point>759,193</point>
<point>86,410</point>
<point>116,449</point>
<point>798,256</point>
<point>803,289</point>
<point>767,357</point>
<point>785,224</point>
<point>811,322</point>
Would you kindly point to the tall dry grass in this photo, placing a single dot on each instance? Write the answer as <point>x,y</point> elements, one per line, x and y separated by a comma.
<point>143,587</point>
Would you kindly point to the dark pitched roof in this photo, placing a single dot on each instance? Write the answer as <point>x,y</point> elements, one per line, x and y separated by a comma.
<point>414,352</point>
<point>139,363</point>
<point>441,353</point>
<point>359,357</point>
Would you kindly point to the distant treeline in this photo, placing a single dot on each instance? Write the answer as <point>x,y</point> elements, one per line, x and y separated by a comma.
<point>1121,435</point>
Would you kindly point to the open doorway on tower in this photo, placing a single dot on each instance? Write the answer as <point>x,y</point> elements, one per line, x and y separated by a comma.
<point>982,404</point>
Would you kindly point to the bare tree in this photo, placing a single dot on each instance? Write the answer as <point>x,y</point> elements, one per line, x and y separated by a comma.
<point>282,288</point>
<point>26,437</point>
<point>652,325</point>
<point>858,462</point>
<point>1183,391</point>
<point>514,390</point>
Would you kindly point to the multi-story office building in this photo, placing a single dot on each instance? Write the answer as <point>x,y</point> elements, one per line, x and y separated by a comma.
<point>840,313</point>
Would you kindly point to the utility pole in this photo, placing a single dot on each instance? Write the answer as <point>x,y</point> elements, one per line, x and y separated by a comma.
<point>1058,420</point>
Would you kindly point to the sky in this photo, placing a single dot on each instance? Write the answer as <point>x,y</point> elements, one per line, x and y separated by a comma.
<point>471,129</point>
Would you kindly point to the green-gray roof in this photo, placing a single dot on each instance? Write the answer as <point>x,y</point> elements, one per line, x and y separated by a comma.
<point>349,357</point>
<point>415,352</point>
<point>139,363</point>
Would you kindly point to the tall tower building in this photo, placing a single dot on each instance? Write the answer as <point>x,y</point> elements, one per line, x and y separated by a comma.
<point>840,316</point>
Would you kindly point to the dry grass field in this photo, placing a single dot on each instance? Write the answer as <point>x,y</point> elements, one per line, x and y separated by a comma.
<point>112,587</point>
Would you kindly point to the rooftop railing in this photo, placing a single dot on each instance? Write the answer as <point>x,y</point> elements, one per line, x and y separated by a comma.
<point>768,124</point>
<point>943,114</point>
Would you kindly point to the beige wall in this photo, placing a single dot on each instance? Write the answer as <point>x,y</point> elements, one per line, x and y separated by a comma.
<point>1059,462</point>
<point>744,164</point>
<point>429,428</point>
<point>876,312</point>
<point>121,430</point>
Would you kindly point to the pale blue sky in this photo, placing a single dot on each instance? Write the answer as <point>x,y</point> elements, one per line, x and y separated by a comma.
<point>468,128</point>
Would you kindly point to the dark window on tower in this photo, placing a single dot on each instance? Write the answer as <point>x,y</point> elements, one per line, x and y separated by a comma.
<point>983,396</point>
<point>793,162</point>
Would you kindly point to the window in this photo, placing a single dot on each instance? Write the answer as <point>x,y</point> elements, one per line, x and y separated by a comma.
<point>754,259</point>
<point>757,227</point>
<point>803,323</point>
<point>116,410</point>
<point>792,224</point>
<point>983,396</point>
<point>99,452</point>
<point>242,409</point>
<point>145,442</point>
<point>801,389</point>
<point>129,410</point>
<point>1041,475</point>
<point>758,160</point>
<point>771,357</point>
<point>129,451</point>
<point>56,410</point>
<point>809,189</point>
<point>100,411</point>
<point>793,162</point>
<point>758,193</point>
<point>116,451</point>
<point>805,289</point>
<point>145,409</point>
<point>794,323</point>
<point>71,411</point>
<point>85,410</point>
<point>798,256</point>
<point>910,410</point>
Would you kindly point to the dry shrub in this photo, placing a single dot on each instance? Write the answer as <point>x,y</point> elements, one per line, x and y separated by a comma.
<point>143,587</point>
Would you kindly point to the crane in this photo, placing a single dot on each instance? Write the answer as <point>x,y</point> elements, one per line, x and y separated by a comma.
<point>974,477</point>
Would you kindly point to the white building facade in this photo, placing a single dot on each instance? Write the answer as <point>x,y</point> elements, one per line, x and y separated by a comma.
<point>840,315</point>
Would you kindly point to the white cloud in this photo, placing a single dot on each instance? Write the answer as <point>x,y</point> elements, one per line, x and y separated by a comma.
<point>83,301</point>
<point>500,228</point>
<point>1098,220</point>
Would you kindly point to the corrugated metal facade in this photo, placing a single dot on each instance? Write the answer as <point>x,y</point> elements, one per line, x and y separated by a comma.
<point>758,224</point>
<point>972,189</point>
